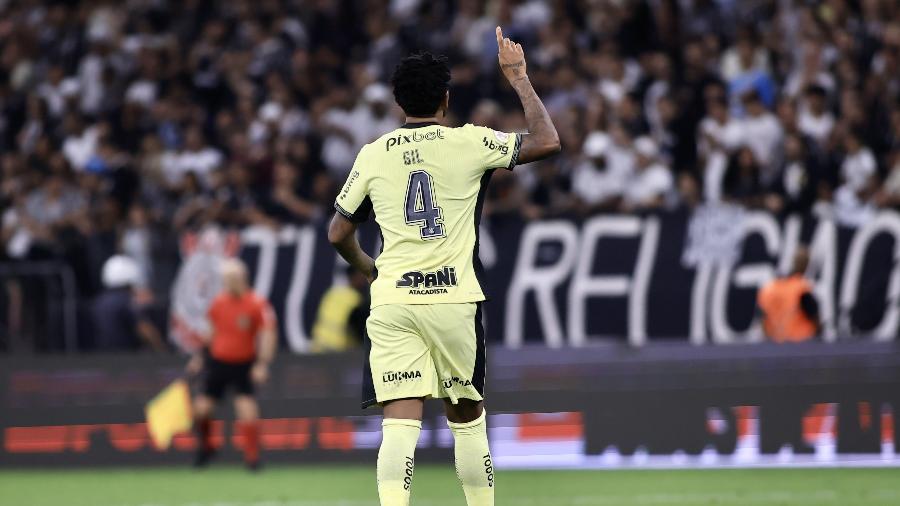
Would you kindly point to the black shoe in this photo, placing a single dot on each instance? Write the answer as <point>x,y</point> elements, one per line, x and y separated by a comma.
<point>204,456</point>
<point>254,467</point>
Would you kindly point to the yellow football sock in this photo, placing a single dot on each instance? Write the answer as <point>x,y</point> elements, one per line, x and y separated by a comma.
<point>473,461</point>
<point>396,459</point>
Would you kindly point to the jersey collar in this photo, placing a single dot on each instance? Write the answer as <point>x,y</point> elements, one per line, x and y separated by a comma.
<point>419,125</point>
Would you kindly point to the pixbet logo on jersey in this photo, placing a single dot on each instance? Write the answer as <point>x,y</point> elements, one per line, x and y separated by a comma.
<point>401,139</point>
<point>433,282</point>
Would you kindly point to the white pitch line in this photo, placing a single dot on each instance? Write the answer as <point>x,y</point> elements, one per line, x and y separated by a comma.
<point>769,497</point>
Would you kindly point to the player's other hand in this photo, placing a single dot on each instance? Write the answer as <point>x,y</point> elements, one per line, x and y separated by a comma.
<point>259,374</point>
<point>194,365</point>
<point>511,56</point>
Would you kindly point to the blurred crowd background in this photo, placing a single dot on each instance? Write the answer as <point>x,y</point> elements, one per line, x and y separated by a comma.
<point>126,123</point>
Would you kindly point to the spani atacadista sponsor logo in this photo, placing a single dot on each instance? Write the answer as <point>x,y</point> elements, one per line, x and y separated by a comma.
<point>426,283</point>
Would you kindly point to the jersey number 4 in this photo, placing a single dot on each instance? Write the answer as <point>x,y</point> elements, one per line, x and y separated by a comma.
<point>421,208</point>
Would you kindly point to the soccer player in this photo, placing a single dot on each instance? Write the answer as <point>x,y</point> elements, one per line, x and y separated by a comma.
<point>426,184</point>
<point>240,347</point>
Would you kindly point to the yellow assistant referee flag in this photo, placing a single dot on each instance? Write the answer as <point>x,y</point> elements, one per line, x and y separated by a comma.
<point>169,413</point>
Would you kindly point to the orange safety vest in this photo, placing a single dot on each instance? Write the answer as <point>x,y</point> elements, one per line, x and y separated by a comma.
<point>784,320</point>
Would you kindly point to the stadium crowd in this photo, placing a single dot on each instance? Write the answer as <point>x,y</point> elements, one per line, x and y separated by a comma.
<point>125,123</point>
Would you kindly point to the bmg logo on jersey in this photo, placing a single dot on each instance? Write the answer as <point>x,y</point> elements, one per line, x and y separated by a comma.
<point>490,144</point>
<point>401,139</point>
<point>350,180</point>
<point>432,282</point>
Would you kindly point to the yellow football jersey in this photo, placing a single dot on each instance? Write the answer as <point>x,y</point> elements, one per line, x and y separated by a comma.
<point>426,184</point>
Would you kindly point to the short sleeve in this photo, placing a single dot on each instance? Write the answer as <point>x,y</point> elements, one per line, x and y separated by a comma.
<point>495,150</point>
<point>353,201</point>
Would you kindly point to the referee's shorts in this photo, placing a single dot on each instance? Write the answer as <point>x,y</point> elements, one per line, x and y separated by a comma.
<point>219,377</point>
<point>424,350</point>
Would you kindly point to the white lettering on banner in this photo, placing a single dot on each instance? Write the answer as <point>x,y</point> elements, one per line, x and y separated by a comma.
<point>823,270</point>
<point>790,239</point>
<point>746,276</point>
<point>643,273</point>
<point>266,240</point>
<point>700,301</point>
<point>556,260</point>
<point>584,283</point>
<point>293,305</point>
<point>529,276</point>
<point>885,222</point>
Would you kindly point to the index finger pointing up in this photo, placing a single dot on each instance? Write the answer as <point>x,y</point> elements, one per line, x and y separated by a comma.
<point>499,36</point>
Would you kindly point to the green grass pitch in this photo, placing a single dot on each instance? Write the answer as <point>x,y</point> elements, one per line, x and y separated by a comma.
<point>436,486</point>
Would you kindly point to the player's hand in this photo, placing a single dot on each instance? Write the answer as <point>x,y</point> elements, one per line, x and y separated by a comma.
<point>259,374</point>
<point>194,365</point>
<point>511,56</point>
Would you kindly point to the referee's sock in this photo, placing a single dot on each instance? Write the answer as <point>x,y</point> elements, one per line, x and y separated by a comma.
<point>473,461</point>
<point>203,428</point>
<point>250,432</point>
<point>396,460</point>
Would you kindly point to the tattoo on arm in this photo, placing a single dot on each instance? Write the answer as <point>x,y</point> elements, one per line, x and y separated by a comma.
<point>517,67</point>
<point>541,131</point>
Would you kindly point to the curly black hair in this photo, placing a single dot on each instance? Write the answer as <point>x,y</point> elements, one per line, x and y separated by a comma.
<point>420,82</point>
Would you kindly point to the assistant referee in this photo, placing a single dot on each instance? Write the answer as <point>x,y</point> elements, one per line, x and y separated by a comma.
<point>240,346</point>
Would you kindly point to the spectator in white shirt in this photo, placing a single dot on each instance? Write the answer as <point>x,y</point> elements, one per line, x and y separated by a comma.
<point>597,183</point>
<point>859,165</point>
<point>852,200</point>
<point>652,181</point>
<point>372,117</point>
<point>56,89</point>
<point>719,134</point>
<point>338,140</point>
<point>350,129</point>
<point>81,142</point>
<point>196,157</point>
<point>814,119</point>
<point>762,133</point>
<point>811,71</point>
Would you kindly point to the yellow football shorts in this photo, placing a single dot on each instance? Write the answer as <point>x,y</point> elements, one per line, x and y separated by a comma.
<point>424,350</point>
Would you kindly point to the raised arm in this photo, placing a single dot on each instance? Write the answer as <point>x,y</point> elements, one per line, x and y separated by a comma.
<point>542,140</point>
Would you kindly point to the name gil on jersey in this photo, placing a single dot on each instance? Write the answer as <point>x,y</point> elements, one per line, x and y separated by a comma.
<point>401,139</point>
<point>433,282</point>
